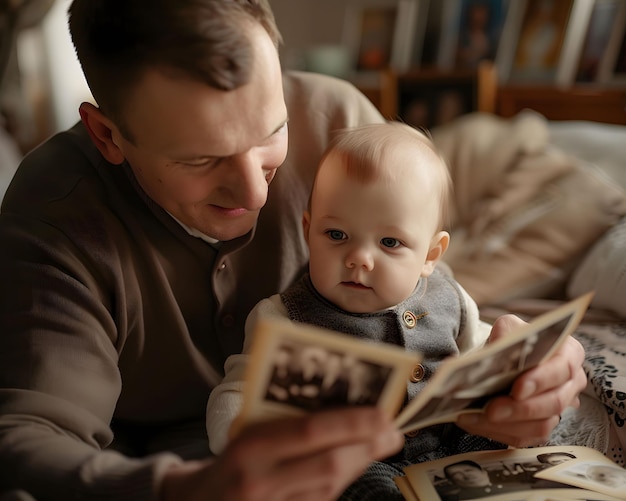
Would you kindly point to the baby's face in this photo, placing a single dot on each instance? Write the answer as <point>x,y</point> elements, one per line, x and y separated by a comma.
<point>369,242</point>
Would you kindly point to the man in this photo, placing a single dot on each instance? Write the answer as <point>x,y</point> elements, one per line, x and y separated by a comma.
<point>134,245</point>
<point>474,482</point>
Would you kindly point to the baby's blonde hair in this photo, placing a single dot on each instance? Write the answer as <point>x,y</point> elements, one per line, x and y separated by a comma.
<point>363,152</point>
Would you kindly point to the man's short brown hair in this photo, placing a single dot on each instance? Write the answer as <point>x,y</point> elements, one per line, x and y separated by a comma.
<point>116,41</point>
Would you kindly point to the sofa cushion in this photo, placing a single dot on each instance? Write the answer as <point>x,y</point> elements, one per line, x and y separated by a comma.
<point>604,270</point>
<point>525,212</point>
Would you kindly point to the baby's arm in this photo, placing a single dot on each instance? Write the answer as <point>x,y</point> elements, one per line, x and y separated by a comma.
<point>225,403</point>
<point>226,398</point>
<point>474,333</point>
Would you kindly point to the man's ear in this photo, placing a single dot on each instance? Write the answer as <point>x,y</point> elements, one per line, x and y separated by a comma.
<point>438,246</point>
<point>100,129</point>
<point>306,225</point>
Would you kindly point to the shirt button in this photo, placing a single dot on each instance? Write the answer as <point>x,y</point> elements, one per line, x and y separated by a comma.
<point>409,319</point>
<point>228,320</point>
<point>418,373</point>
<point>221,266</point>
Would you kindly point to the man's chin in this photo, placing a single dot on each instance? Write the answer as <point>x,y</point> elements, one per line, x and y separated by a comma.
<point>229,232</point>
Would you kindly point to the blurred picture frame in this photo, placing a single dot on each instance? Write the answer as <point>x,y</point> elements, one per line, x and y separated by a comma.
<point>426,47</point>
<point>470,32</point>
<point>541,41</point>
<point>434,99</point>
<point>379,33</point>
<point>602,24</point>
<point>612,71</point>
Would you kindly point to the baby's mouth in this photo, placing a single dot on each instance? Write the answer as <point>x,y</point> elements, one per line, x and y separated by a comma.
<point>355,285</point>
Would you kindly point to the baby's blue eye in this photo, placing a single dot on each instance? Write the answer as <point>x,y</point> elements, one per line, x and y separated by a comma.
<point>390,242</point>
<point>336,234</point>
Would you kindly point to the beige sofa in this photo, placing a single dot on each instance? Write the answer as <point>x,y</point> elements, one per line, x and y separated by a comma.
<point>538,219</point>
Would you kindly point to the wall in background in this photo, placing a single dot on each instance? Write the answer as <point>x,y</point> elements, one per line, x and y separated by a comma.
<point>47,84</point>
<point>306,24</point>
<point>53,77</point>
<point>303,24</point>
<point>68,87</point>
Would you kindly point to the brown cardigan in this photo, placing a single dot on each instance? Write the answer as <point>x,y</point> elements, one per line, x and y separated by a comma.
<point>111,313</point>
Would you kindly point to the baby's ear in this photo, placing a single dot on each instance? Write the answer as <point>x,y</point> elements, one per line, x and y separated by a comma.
<point>306,225</point>
<point>438,247</point>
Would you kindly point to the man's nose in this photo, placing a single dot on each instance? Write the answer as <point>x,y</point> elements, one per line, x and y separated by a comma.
<point>248,180</point>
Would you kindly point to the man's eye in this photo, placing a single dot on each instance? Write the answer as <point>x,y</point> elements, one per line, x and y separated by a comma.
<point>336,234</point>
<point>200,162</point>
<point>390,242</point>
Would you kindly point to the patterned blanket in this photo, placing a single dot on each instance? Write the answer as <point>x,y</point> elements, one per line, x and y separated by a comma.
<point>600,421</point>
<point>605,365</point>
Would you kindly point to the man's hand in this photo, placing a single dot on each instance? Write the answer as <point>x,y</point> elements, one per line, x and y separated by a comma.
<point>314,457</point>
<point>528,415</point>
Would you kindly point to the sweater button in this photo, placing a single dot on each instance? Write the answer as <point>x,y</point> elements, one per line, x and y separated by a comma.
<point>412,434</point>
<point>417,374</point>
<point>228,320</point>
<point>409,319</point>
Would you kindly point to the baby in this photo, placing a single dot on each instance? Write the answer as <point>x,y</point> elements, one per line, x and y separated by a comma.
<point>375,231</point>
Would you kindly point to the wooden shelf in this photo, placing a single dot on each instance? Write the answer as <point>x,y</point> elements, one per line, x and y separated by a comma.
<point>579,102</point>
<point>389,92</point>
<point>394,94</point>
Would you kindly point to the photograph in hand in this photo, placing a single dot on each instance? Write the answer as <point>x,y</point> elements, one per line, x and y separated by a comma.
<point>297,368</point>
<point>466,383</point>
<point>313,377</point>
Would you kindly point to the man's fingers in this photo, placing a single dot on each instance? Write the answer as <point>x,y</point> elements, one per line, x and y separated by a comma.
<point>328,474</point>
<point>320,431</point>
<point>320,453</point>
<point>563,367</point>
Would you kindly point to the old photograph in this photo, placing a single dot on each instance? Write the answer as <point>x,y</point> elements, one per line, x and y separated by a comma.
<point>499,475</point>
<point>297,368</point>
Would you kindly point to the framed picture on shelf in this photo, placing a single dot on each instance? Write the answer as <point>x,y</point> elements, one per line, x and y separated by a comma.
<point>602,23</point>
<point>448,33</point>
<point>470,32</point>
<point>543,41</point>
<point>426,47</point>
<point>429,100</point>
<point>612,69</point>
<point>379,33</point>
<point>420,25</point>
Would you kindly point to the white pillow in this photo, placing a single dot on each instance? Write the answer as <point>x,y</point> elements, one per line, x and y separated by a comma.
<point>604,270</point>
<point>600,144</point>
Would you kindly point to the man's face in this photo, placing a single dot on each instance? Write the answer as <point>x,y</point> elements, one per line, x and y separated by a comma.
<point>465,475</point>
<point>207,156</point>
